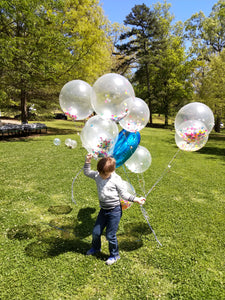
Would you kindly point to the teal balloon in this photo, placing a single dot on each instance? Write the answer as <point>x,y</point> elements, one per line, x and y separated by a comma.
<point>125,146</point>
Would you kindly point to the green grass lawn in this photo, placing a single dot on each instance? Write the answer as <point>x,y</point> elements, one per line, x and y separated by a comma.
<point>44,236</point>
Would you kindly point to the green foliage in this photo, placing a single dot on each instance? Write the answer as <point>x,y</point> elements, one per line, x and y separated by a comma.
<point>44,45</point>
<point>136,44</point>
<point>207,34</point>
<point>155,48</point>
<point>43,251</point>
<point>212,88</point>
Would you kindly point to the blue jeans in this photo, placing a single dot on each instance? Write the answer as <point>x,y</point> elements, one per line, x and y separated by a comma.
<point>109,219</point>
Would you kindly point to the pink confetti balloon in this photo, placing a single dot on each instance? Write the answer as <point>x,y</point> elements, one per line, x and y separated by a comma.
<point>109,91</point>
<point>99,136</point>
<point>129,188</point>
<point>75,99</point>
<point>195,111</point>
<point>191,135</point>
<point>190,146</point>
<point>137,116</point>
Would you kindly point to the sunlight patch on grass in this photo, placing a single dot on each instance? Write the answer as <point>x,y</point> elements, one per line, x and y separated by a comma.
<point>57,197</point>
<point>219,195</point>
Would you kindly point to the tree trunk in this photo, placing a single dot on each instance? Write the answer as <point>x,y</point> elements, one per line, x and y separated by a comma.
<point>166,119</point>
<point>217,123</point>
<point>166,106</point>
<point>23,99</point>
<point>149,93</point>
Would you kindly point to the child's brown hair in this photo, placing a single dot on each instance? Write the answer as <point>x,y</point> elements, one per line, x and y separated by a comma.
<point>106,165</point>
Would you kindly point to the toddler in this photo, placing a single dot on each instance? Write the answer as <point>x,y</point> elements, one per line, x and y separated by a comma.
<point>110,190</point>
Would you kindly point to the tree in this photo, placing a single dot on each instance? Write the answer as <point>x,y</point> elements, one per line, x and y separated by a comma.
<point>156,52</point>
<point>45,44</point>
<point>138,43</point>
<point>171,69</point>
<point>207,34</point>
<point>212,89</point>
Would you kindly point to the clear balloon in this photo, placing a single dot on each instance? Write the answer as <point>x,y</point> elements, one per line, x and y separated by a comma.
<point>137,116</point>
<point>57,142</point>
<point>130,189</point>
<point>195,111</point>
<point>99,136</point>
<point>73,144</point>
<point>193,145</point>
<point>109,91</point>
<point>75,99</point>
<point>67,142</point>
<point>140,161</point>
<point>126,145</point>
<point>192,131</point>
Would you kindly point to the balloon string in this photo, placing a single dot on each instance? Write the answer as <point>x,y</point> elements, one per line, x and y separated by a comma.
<point>163,173</point>
<point>141,182</point>
<point>144,212</point>
<point>146,216</point>
<point>73,185</point>
<point>128,179</point>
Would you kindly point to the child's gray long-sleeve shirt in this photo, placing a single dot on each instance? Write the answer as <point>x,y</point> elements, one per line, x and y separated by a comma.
<point>110,190</point>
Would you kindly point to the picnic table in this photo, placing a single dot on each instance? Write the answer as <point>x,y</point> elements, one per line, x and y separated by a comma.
<point>21,129</point>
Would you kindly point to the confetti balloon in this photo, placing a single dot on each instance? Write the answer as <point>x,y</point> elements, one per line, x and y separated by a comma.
<point>192,131</point>
<point>140,161</point>
<point>126,145</point>
<point>191,135</point>
<point>130,189</point>
<point>99,136</point>
<point>75,99</point>
<point>195,111</point>
<point>57,142</point>
<point>109,91</point>
<point>186,146</point>
<point>137,116</point>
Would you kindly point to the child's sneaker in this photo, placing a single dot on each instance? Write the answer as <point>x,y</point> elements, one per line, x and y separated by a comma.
<point>112,259</point>
<point>92,251</point>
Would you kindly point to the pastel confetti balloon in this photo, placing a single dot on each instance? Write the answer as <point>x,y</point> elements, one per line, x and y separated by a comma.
<point>192,131</point>
<point>195,111</point>
<point>195,145</point>
<point>57,142</point>
<point>130,189</point>
<point>109,91</point>
<point>99,136</point>
<point>140,161</point>
<point>191,135</point>
<point>75,99</point>
<point>137,116</point>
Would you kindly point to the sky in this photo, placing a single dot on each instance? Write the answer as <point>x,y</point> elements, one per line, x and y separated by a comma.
<point>117,10</point>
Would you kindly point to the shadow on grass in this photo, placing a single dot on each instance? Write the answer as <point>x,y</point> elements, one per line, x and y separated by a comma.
<point>218,151</point>
<point>66,234</point>
<point>60,131</point>
<point>213,151</point>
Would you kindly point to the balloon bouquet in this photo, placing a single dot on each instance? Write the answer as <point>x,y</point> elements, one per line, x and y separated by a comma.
<point>113,101</point>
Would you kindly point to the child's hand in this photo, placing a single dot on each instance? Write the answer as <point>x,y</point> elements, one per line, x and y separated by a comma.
<point>140,200</point>
<point>88,158</point>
